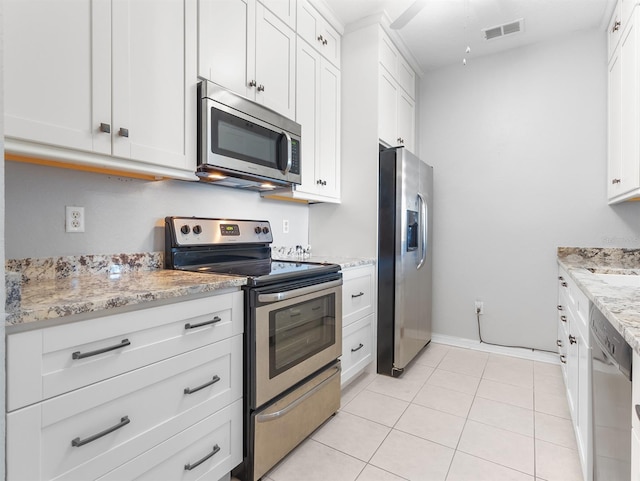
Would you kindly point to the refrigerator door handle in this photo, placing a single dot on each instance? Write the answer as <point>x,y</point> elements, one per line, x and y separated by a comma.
<point>423,220</point>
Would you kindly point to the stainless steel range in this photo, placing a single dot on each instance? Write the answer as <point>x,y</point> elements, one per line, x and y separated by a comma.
<point>293,331</point>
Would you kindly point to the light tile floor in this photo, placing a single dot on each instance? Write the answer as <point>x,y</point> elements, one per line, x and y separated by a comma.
<point>455,415</point>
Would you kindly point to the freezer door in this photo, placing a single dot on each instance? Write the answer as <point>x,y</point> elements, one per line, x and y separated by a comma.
<point>414,180</point>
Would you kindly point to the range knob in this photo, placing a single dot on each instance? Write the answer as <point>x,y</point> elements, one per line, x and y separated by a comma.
<point>265,230</point>
<point>185,229</point>
<point>257,230</point>
<point>197,229</point>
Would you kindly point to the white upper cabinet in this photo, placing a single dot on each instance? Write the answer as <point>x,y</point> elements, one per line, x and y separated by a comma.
<point>396,94</point>
<point>318,111</point>
<point>285,10</point>
<point>624,112</point>
<point>313,28</point>
<point>48,76</point>
<point>87,76</point>
<point>245,47</point>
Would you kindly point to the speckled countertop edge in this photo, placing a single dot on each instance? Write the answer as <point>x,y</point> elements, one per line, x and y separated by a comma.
<point>620,305</point>
<point>48,289</point>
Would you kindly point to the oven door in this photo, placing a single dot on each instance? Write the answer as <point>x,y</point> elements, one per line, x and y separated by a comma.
<point>298,331</point>
<point>240,142</point>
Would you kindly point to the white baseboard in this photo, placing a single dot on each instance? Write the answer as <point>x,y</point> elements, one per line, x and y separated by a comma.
<point>523,353</point>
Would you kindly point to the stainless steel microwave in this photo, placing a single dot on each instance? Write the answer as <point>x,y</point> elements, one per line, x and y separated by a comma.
<point>244,144</point>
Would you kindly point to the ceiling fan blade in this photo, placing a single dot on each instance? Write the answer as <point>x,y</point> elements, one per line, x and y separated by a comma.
<point>406,16</point>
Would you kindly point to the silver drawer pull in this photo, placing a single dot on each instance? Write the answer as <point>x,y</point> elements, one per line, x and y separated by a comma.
<point>572,339</point>
<point>189,467</point>
<point>188,390</point>
<point>563,318</point>
<point>558,343</point>
<point>77,442</point>
<point>82,355</point>
<point>123,132</point>
<point>560,308</point>
<point>105,128</point>
<point>360,294</point>
<point>215,320</point>
<point>357,348</point>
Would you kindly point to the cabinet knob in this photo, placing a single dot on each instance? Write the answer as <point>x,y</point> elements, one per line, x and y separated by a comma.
<point>260,88</point>
<point>252,83</point>
<point>106,128</point>
<point>564,284</point>
<point>560,308</point>
<point>558,343</point>
<point>322,40</point>
<point>123,132</point>
<point>561,278</point>
<point>563,318</point>
<point>400,140</point>
<point>615,181</point>
<point>563,359</point>
<point>616,26</point>
<point>572,339</point>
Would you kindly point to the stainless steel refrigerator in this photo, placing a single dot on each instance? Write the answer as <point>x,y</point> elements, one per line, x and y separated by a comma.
<point>404,258</point>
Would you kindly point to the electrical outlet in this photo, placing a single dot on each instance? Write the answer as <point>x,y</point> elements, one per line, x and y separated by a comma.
<point>479,307</point>
<point>74,219</point>
<point>285,226</point>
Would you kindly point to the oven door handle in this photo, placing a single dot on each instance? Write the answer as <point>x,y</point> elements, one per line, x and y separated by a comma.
<point>282,296</point>
<point>261,418</point>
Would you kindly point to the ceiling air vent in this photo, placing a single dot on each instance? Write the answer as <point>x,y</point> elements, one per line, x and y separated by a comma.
<point>501,30</point>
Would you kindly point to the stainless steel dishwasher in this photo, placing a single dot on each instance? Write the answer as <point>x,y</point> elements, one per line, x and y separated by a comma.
<point>611,381</point>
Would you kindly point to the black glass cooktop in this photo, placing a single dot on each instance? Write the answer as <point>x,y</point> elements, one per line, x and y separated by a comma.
<point>267,271</point>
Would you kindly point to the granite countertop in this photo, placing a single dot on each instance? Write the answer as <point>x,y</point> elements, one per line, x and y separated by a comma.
<point>620,304</point>
<point>41,290</point>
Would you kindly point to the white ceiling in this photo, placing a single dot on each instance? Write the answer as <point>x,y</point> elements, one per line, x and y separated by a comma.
<point>440,33</point>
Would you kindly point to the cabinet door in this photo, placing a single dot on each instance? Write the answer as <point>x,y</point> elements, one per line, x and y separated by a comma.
<point>406,120</point>
<point>275,51</point>
<point>307,102</point>
<point>285,10</point>
<point>629,109</point>
<point>223,36</point>
<point>328,162</point>
<point>313,28</point>
<point>584,418</point>
<point>149,108</point>
<point>388,108</point>
<point>55,55</point>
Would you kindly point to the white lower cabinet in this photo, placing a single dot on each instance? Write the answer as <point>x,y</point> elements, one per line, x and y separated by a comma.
<point>139,409</point>
<point>358,320</point>
<point>574,347</point>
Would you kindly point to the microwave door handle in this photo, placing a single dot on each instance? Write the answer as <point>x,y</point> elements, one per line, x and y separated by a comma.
<point>288,137</point>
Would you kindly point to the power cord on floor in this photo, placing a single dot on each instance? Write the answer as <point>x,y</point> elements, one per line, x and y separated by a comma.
<point>505,345</point>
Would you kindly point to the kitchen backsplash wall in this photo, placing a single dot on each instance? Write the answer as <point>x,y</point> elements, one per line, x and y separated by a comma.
<point>122,214</point>
<point>518,142</point>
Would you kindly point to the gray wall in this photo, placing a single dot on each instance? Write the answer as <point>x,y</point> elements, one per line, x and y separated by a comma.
<point>518,144</point>
<point>122,215</point>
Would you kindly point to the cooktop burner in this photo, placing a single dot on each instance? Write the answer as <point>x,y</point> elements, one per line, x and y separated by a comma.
<point>236,247</point>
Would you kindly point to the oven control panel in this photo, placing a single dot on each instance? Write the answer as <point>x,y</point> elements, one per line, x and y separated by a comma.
<point>191,231</point>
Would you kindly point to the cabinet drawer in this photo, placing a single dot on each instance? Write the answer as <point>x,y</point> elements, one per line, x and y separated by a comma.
<point>357,294</point>
<point>43,363</point>
<point>357,347</point>
<point>314,29</point>
<point>154,399</point>
<point>168,460</point>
